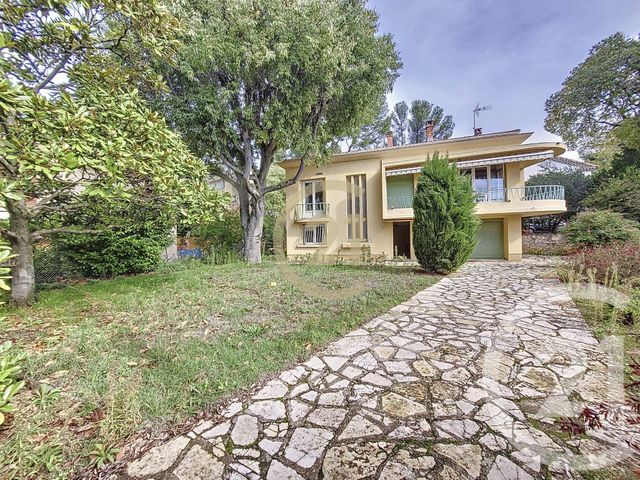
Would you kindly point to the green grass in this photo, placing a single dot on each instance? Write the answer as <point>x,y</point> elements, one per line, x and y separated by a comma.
<point>150,350</point>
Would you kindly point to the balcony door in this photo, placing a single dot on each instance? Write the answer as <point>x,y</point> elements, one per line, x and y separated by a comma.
<point>487,181</point>
<point>313,198</point>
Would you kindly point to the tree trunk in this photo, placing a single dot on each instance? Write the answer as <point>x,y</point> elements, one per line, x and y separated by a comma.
<point>252,229</point>
<point>23,281</point>
<point>252,219</point>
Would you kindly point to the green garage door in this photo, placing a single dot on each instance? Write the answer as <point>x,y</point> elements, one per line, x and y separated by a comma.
<point>489,240</point>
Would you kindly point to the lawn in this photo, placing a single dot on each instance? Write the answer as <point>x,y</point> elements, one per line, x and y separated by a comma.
<point>111,358</point>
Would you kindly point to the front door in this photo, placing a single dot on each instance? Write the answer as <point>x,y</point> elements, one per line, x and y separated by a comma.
<point>402,239</point>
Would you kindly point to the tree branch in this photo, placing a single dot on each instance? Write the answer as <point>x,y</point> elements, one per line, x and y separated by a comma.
<point>45,81</point>
<point>286,183</point>
<point>8,233</point>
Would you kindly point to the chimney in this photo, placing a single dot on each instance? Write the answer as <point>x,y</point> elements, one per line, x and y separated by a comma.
<point>429,130</point>
<point>389,138</point>
<point>477,131</point>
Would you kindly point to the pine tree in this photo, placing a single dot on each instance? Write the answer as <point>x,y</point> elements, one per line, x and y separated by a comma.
<point>445,226</point>
<point>420,112</point>
<point>400,122</point>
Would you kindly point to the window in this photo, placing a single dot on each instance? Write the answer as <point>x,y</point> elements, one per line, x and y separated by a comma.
<point>487,181</point>
<point>357,228</point>
<point>314,234</point>
<point>313,198</point>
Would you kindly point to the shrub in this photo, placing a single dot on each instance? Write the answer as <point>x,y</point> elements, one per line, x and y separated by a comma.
<point>445,226</point>
<point>118,252</point>
<point>221,235</point>
<point>621,257</point>
<point>601,227</point>
<point>10,368</point>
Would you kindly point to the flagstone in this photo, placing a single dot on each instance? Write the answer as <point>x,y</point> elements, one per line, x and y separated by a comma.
<point>468,366</point>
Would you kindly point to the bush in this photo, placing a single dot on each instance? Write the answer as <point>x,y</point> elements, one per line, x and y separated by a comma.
<point>601,227</point>
<point>221,235</point>
<point>623,257</point>
<point>111,253</point>
<point>445,226</point>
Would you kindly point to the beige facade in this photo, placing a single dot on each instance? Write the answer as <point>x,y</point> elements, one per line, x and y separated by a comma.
<point>364,199</point>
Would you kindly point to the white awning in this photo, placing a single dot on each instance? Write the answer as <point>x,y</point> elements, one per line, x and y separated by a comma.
<point>546,155</point>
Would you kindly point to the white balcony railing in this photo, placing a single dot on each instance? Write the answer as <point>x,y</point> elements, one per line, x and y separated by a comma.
<point>522,194</point>
<point>311,210</point>
<point>400,201</point>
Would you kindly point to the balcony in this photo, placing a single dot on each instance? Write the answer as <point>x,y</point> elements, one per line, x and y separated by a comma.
<point>527,201</point>
<point>522,194</point>
<point>310,212</point>
<point>400,201</point>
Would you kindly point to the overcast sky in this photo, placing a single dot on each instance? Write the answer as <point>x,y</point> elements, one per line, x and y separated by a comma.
<point>511,54</point>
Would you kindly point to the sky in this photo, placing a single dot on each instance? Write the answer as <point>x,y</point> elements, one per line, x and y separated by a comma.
<point>510,54</point>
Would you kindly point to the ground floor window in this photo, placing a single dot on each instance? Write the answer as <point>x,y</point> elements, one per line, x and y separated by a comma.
<point>315,234</point>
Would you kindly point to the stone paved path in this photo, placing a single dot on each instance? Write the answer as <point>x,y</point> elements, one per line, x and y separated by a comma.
<point>460,381</point>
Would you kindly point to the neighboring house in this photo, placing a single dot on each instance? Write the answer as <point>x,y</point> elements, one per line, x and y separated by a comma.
<point>364,199</point>
<point>221,185</point>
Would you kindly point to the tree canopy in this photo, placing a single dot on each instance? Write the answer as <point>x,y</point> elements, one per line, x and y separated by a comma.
<point>598,95</point>
<point>267,79</point>
<point>73,127</point>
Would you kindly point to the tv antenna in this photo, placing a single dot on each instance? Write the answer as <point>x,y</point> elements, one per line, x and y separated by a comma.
<point>476,113</point>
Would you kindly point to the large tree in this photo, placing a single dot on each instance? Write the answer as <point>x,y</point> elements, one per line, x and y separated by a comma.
<point>598,95</point>
<point>72,128</point>
<point>420,112</point>
<point>265,79</point>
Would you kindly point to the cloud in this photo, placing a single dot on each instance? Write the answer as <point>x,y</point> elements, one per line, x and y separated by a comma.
<point>511,54</point>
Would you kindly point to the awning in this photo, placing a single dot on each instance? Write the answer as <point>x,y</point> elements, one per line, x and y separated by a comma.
<point>546,155</point>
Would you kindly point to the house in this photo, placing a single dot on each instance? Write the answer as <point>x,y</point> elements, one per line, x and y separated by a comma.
<point>364,199</point>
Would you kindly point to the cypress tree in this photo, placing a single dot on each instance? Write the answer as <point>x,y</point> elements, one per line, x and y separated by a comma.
<point>445,226</point>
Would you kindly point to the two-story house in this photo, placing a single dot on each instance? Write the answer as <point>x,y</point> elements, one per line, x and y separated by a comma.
<point>365,198</point>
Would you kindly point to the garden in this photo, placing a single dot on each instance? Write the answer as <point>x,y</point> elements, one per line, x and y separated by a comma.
<point>138,357</point>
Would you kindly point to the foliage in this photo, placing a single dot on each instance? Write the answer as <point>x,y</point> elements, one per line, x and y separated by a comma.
<point>400,122</point>
<point>275,203</point>
<point>154,350</point>
<point>617,186</point>
<point>372,135</point>
<point>576,187</point>
<point>620,194</point>
<point>267,78</point>
<point>103,454</point>
<point>598,95</point>
<point>74,129</point>
<point>420,112</point>
<point>130,238</point>
<point>221,235</point>
<point>445,226</point>
<point>601,227</point>
<point>9,373</point>
<point>5,271</point>
<point>623,257</point>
